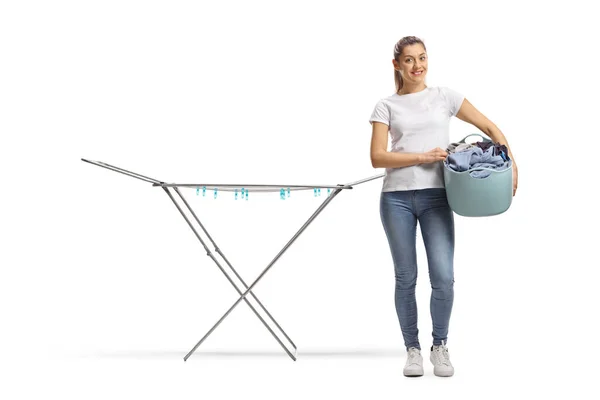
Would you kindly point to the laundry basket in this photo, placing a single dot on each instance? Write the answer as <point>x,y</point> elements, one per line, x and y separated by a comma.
<point>478,197</point>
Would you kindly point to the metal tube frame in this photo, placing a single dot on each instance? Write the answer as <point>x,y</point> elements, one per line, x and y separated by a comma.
<point>248,289</point>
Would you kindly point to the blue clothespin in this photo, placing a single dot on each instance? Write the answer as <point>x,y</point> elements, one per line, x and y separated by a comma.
<point>197,191</point>
<point>288,192</point>
<point>246,194</point>
<point>319,191</point>
<point>281,194</point>
<point>203,190</point>
<point>236,194</point>
<point>215,193</point>
<point>328,192</point>
<point>315,191</point>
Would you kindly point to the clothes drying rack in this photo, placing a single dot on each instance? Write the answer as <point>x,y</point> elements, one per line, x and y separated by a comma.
<point>245,289</point>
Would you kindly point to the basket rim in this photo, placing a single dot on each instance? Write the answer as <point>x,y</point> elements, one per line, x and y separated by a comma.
<point>478,169</point>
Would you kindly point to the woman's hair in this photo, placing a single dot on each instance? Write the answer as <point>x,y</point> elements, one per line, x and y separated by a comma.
<point>402,43</point>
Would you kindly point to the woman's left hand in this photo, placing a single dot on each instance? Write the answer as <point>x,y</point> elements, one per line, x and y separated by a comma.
<point>515,178</point>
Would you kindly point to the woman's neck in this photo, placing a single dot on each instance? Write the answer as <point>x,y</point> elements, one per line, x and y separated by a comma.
<point>408,90</point>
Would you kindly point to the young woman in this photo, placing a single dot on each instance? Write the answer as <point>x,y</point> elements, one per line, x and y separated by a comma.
<point>417,118</point>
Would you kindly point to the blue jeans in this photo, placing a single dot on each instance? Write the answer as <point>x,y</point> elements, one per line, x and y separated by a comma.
<point>400,211</point>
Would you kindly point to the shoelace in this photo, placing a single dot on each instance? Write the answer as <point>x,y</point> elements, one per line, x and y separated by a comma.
<point>413,354</point>
<point>442,355</point>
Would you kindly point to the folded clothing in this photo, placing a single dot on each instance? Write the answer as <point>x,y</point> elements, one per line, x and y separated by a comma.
<point>495,156</point>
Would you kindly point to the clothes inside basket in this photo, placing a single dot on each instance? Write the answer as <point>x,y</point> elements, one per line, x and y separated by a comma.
<point>466,156</point>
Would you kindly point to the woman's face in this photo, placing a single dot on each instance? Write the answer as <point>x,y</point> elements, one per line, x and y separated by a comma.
<point>412,60</point>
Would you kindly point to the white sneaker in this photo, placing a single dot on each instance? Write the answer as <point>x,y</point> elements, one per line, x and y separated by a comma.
<point>441,360</point>
<point>414,363</point>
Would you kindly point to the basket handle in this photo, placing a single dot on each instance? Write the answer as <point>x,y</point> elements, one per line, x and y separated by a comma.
<point>485,139</point>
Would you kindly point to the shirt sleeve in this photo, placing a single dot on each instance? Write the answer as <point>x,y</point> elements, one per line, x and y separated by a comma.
<point>454,100</point>
<point>381,113</point>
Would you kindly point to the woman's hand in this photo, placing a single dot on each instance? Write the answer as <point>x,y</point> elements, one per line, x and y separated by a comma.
<point>433,155</point>
<point>515,178</point>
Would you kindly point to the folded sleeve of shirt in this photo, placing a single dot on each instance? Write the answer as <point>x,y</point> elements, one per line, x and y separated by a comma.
<point>381,113</point>
<point>454,100</point>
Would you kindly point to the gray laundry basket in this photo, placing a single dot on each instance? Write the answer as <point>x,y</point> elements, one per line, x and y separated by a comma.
<point>478,197</point>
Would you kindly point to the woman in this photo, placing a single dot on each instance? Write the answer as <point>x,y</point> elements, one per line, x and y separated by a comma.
<point>418,117</point>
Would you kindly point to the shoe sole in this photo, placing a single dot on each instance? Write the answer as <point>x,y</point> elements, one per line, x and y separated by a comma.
<point>414,372</point>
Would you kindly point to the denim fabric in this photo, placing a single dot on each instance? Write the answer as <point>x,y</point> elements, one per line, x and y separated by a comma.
<point>400,211</point>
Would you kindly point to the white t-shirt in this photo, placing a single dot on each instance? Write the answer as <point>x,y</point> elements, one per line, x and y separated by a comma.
<point>417,122</point>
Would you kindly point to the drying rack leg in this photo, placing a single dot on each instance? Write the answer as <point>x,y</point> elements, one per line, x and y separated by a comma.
<point>293,353</point>
<point>248,289</point>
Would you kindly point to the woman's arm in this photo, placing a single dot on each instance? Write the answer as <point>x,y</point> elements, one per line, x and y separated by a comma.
<point>389,159</point>
<point>381,158</point>
<point>470,114</point>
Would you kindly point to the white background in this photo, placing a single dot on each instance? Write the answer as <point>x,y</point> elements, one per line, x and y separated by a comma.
<point>104,288</point>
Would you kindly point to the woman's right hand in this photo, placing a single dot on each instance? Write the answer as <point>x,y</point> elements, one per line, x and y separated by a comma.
<point>433,155</point>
